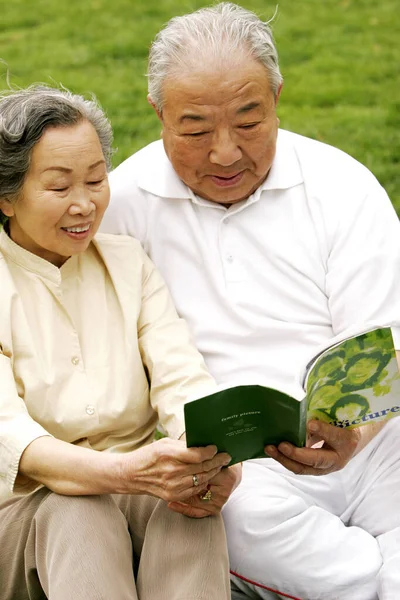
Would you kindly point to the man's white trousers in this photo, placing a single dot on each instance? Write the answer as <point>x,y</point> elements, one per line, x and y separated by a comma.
<point>335,537</point>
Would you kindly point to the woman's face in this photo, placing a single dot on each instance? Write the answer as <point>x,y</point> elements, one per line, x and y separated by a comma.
<point>64,196</point>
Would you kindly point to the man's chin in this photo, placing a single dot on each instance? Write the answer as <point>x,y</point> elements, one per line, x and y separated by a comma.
<point>224,196</point>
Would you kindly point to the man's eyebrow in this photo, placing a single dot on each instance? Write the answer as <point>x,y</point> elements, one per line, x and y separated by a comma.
<point>66,170</point>
<point>198,118</point>
<point>191,117</point>
<point>248,107</point>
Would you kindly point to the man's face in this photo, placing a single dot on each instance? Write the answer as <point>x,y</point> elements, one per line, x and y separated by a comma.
<point>220,129</point>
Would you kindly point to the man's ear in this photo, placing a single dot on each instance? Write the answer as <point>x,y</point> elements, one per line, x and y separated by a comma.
<point>150,101</point>
<point>278,93</point>
<point>6,208</point>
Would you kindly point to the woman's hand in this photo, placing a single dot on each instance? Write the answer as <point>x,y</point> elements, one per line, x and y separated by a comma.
<point>165,469</point>
<point>220,488</point>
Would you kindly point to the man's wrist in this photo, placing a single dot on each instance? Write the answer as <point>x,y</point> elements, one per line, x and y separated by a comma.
<point>367,433</point>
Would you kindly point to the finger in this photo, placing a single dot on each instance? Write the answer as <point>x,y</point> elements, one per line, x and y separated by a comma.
<point>336,437</point>
<point>295,467</point>
<point>195,455</point>
<point>220,460</point>
<point>188,510</point>
<point>226,481</point>
<point>301,458</point>
<point>314,440</point>
<point>212,506</point>
<point>202,479</point>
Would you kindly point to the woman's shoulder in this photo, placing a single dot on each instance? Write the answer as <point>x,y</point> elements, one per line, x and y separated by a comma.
<point>122,243</point>
<point>9,294</point>
<point>5,275</point>
<point>117,249</point>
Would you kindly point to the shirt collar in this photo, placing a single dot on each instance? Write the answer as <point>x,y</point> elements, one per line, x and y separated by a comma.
<point>159,178</point>
<point>31,262</point>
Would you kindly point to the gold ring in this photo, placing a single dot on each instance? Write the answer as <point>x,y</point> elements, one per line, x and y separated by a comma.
<point>195,480</point>
<point>206,496</point>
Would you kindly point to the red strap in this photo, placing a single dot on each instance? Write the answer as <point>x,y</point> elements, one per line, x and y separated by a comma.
<point>264,587</point>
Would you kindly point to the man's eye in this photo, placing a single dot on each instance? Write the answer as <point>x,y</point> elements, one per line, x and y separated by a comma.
<point>60,189</point>
<point>248,125</point>
<point>197,134</point>
<point>95,182</point>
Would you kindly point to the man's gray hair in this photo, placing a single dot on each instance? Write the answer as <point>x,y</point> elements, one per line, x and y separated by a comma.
<point>24,116</point>
<point>223,28</point>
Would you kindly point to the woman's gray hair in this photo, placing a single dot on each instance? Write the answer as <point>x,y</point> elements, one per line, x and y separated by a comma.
<point>224,27</point>
<point>24,116</point>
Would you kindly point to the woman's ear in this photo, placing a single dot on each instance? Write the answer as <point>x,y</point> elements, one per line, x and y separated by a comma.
<point>6,208</point>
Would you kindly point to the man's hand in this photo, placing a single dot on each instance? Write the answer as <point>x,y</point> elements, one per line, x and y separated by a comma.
<point>340,445</point>
<point>221,487</point>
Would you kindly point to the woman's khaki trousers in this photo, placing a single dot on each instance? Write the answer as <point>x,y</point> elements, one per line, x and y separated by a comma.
<point>108,548</point>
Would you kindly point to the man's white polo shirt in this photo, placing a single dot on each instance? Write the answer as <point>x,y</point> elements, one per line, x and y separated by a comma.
<point>314,253</point>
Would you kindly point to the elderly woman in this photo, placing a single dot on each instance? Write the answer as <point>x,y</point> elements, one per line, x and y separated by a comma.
<point>92,355</point>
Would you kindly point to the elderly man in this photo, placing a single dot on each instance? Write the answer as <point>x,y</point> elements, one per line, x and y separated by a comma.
<point>272,244</point>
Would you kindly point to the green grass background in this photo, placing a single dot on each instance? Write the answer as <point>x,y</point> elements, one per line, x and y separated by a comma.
<point>340,60</point>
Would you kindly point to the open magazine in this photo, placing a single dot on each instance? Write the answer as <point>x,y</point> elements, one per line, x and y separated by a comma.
<point>352,383</point>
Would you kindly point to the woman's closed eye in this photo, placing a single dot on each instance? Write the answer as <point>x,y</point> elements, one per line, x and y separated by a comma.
<point>59,189</point>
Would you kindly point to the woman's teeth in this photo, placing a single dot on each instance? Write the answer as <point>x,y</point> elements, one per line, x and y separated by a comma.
<point>76,229</point>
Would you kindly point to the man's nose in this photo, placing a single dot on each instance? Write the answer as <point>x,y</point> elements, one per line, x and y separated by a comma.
<point>225,151</point>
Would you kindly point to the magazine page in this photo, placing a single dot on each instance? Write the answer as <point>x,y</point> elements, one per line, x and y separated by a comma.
<point>356,381</point>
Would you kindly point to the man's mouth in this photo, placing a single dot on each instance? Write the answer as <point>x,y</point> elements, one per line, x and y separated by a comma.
<point>227,181</point>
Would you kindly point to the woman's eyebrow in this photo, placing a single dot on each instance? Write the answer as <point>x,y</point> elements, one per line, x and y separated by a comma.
<point>66,170</point>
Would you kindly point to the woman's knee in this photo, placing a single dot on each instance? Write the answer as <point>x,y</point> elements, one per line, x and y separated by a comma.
<point>80,514</point>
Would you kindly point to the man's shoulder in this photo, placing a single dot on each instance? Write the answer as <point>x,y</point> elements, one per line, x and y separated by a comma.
<point>148,158</point>
<point>309,150</point>
<point>327,170</point>
<point>147,172</point>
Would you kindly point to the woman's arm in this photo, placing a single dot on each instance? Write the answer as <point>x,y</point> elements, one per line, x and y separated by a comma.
<point>163,469</point>
<point>176,369</point>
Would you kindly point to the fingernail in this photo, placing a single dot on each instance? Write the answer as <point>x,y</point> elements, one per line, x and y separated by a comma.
<point>313,427</point>
<point>270,450</point>
<point>227,460</point>
<point>285,448</point>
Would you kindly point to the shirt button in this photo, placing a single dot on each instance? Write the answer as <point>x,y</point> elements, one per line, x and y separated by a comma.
<point>229,258</point>
<point>90,409</point>
<point>225,221</point>
<point>75,360</point>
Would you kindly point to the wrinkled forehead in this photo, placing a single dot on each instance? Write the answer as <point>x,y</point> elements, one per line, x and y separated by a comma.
<point>218,83</point>
<point>196,60</point>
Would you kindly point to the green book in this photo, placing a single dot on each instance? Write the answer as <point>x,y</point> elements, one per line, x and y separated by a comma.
<point>348,385</point>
